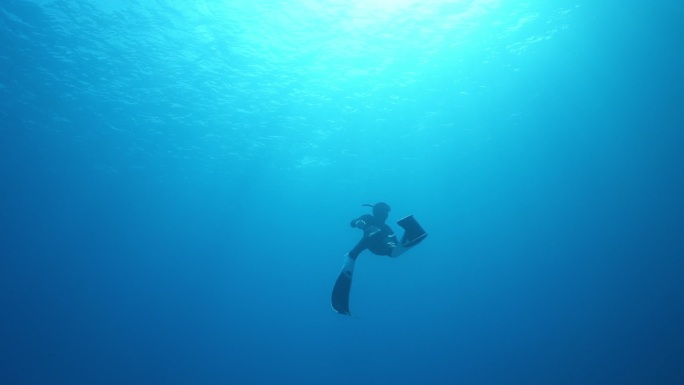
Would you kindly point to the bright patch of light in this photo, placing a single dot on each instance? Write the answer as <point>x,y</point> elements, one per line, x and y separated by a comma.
<point>386,9</point>
<point>378,6</point>
<point>410,20</point>
<point>354,38</point>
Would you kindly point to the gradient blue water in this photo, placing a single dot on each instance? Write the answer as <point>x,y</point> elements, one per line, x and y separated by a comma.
<point>177,178</point>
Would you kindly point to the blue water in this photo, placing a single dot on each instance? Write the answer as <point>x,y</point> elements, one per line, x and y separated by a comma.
<point>177,180</point>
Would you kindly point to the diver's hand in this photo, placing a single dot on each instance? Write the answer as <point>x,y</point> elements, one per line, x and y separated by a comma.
<point>360,224</point>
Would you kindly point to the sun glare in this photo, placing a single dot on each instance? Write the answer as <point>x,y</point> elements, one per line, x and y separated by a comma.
<point>383,8</point>
<point>419,13</point>
<point>372,6</point>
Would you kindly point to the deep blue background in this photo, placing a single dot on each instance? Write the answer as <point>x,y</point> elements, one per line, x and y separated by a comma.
<point>176,182</point>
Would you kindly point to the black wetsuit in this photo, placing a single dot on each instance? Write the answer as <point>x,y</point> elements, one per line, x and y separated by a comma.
<point>380,243</point>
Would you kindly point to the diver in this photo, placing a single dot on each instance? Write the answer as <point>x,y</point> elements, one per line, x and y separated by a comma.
<point>379,238</point>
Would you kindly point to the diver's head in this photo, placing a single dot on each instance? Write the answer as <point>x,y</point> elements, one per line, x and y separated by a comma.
<point>380,210</point>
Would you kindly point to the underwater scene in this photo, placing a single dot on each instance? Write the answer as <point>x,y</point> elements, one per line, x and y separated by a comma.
<point>341,192</point>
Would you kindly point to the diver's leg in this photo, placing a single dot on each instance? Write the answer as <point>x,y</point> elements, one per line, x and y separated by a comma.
<point>398,250</point>
<point>404,245</point>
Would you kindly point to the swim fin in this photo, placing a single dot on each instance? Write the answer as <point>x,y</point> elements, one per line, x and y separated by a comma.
<point>413,231</point>
<point>342,288</point>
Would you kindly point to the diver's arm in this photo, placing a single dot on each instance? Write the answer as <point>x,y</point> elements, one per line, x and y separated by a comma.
<point>362,221</point>
<point>358,223</point>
